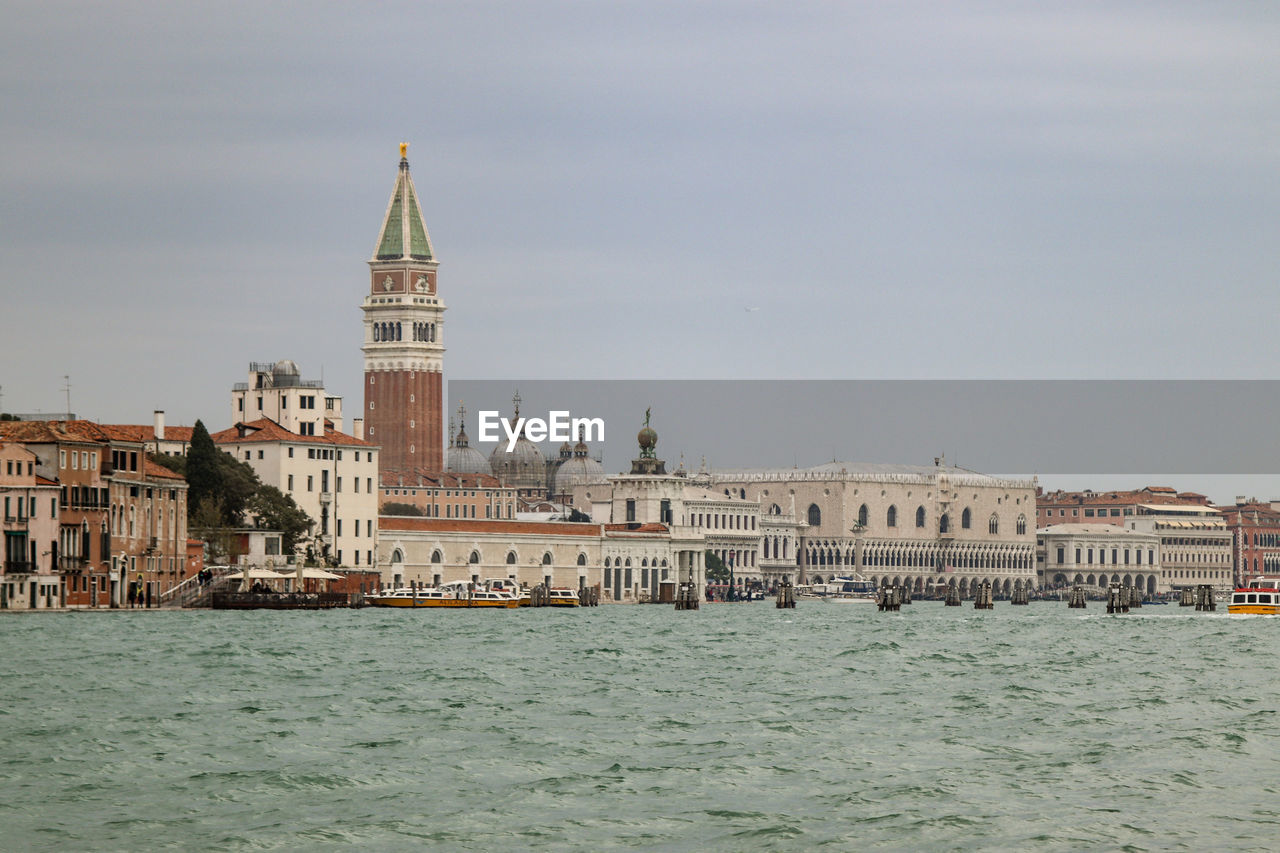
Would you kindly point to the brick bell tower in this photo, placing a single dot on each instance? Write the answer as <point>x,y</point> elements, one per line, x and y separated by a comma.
<point>403,330</point>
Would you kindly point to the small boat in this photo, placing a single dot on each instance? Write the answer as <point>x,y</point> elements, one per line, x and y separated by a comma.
<point>456,594</point>
<point>1260,597</point>
<point>562,596</point>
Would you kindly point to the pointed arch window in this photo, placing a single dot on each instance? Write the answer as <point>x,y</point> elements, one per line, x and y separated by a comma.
<point>891,517</point>
<point>511,558</point>
<point>919,516</point>
<point>815,515</point>
<point>1022,524</point>
<point>993,524</point>
<point>966,519</point>
<point>436,556</point>
<point>863,515</point>
<point>944,523</point>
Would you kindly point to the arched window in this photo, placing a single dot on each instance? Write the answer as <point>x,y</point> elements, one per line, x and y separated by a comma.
<point>775,510</point>
<point>377,335</point>
<point>644,563</point>
<point>436,556</point>
<point>965,518</point>
<point>815,515</point>
<point>1022,524</point>
<point>511,558</point>
<point>862,516</point>
<point>582,559</point>
<point>891,517</point>
<point>397,331</point>
<point>993,524</point>
<point>919,516</point>
<point>742,493</point>
<point>546,559</point>
<point>475,557</point>
<point>397,556</point>
<point>944,523</point>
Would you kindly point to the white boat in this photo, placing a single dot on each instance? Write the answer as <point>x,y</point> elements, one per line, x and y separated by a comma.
<point>1259,597</point>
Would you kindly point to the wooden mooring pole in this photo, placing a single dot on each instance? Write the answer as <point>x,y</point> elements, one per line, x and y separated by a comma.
<point>982,599</point>
<point>1204,598</point>
<point>1076,599</point>
<point>786,595</point>
<point>890,598</point>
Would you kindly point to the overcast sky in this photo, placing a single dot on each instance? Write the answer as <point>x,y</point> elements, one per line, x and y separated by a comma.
<point>976,190</point>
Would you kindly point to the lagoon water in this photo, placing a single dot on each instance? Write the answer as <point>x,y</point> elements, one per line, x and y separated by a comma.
<point>737,727</point>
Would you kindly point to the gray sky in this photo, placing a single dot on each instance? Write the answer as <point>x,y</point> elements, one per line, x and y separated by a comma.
<point>977,190</point>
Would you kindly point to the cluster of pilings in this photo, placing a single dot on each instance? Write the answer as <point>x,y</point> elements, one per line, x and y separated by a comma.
<point>1204,598</point>
<point>687,597</point>
<point>953,597</point>
<point>982,599</point>
<point>1076,598</point>
<point>1020,596</point>
<point>589,596</point>
<point>889,598</point>
<point>1119,598</point>
<point>786,595</point>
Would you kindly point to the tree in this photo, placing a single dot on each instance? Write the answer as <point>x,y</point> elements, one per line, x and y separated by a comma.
<point>717,571</point>
<point>398,508</point>
<point>576,514</point>
<point>206,522</point>
<point>275,510</point>
<point>176,464</point>
<point>202,470</point>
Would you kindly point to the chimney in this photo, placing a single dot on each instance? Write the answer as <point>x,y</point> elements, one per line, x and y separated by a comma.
<point>357,428</point>
<point>159,427</point>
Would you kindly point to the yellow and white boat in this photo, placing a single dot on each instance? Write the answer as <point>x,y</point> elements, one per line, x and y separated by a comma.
<point>1261,597</point>
<point>456,594</point>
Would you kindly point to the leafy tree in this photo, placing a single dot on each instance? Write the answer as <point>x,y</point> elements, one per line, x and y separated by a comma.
<point>398,508</point>
<point>9,417</point>
<point>275,510</point>
<point>717,571</point>
<point>206,522</point>
<point>576,514</point>
<point>176,464</point>
<point>202,470</point>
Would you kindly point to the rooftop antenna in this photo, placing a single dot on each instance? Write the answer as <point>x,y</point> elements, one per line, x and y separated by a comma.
<point>66,378</point>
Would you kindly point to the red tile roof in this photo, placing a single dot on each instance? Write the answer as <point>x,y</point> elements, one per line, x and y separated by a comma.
<point>265,430</point>
<point>651,527</point>
<point>475,525</point>
<point>420,478</point>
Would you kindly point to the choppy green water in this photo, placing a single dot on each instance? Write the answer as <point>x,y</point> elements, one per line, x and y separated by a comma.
<point>738,727</point>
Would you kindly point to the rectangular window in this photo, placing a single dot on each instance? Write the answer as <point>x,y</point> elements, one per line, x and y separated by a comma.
<point>259,454</point>
<point>356,483</point>
<point>339,527</point>
<point>1061,555</point>
<point>291,482</point>
<point>75,461</point>
<point>337,486</point>
<point>631,509</point>
<point>133,460</point>
<point>62,459</point>
<point>290,452</point>
<point>368,481</point>
<point>310,482</point>
<point>1088,513</point>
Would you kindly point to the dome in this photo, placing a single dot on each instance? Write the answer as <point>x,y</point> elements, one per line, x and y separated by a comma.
<point>285,368</point>
<point>523,468</point>
<point>581,470</point>
<point>648,438</point>
<point>467,460</point>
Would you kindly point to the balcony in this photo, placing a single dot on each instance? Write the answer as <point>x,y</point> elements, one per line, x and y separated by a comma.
<point>12,567</point>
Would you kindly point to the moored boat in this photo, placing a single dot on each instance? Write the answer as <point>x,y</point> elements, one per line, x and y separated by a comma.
<point>456,594</point>
<point>1259,597</point>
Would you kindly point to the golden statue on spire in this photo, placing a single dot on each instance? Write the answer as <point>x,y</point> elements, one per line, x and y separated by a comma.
<point>404,150</point>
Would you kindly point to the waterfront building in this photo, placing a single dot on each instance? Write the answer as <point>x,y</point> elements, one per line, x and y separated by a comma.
<point>640,539</point>
<point>1097,555</point>
<point>332,476</point>
<point>404,338</point>
<point>1195,544</point>
<point>1255,537</point>
<point>923,526</point>
<point>31,529</point>
<point>448,495</point>
<point>122,519</point>
<point>276,391</point>
<point>1090,507</point>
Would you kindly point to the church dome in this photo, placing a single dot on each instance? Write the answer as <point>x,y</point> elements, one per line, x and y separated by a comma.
<point>581,470</point>
<point>523,468</point>
<point>467,460</point>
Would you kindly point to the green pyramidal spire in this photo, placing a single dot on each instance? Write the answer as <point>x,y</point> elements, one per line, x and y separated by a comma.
<point>404,235</point>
